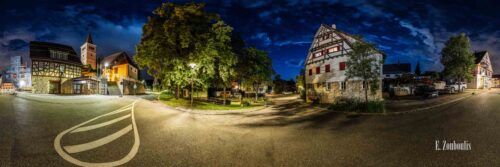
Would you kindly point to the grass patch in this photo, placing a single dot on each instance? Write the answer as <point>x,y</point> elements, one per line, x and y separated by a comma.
<point>171,101</point>
<point>358,106</point>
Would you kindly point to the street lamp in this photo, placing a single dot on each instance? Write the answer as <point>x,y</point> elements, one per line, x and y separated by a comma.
<point>61,72</point>
<point>22,83</point>
<point>107,76</point>
<point>192,65</point>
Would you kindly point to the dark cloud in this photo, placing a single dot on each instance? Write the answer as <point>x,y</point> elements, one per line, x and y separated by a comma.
<point>409,31</point>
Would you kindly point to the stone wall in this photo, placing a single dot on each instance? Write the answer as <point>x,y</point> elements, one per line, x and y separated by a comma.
<point>128,87</point>
<point>353,90</point>
<point>40,84</point>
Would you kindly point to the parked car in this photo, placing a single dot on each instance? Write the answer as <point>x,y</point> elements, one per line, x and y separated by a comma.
<point>454,87</point>
<point>426,91</point>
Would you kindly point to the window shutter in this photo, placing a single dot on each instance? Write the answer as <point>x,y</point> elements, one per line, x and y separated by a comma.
<point>342,66</point>
<point>318,70</point>
<point>327,68</point>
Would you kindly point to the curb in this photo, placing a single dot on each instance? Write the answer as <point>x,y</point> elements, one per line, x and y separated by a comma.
<point>220,112</point>
<point>410,111</point>
<point>43,101</point>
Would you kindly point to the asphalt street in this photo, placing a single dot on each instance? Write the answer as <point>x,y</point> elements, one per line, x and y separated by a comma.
<point>99,130</point>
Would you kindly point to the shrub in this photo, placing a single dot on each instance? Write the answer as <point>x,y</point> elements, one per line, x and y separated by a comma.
<point>245,103</point>
<point>165,95</point>
<point>353,105</point>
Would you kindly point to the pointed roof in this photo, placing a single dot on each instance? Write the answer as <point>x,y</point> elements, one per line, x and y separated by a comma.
<point>479,56</point>
<point>89,39</point>
<point>111,59</point>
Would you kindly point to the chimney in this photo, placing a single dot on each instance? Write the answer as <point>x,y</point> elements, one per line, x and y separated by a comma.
<point>334,26</point>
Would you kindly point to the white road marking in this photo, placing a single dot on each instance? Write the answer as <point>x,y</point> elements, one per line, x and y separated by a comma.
<point>98,143</point>
<point>128,157</point>
<point>92,127</point>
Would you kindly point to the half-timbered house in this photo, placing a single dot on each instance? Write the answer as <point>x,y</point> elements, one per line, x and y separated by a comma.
<point>482,72</point>
<point>326,67</point>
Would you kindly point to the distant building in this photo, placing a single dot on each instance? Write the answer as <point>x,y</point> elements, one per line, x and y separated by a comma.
<point>482,72</point>
<point>326,67</point>
<point>496,81</point>
<point>7,88</point>
<point>18,73</point>
<point>392,71</point>
<point>13,71</point>
<point>121,71</point>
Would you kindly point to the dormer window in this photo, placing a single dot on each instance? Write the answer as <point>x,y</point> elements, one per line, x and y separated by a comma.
<point>317,54</point>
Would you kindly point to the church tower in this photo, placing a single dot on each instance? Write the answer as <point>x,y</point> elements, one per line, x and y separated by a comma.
<point>88,52</point>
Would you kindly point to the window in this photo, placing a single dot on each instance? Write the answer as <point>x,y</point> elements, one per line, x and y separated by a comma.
<point>328,86</point>
<point>318,70</point>
<point>363,85</point>
<point>317,54</point>
<point>327,68</point>
<point>58,55</point>
<point>342,66</point>
<point>334,49</point>
<point>342,85</point>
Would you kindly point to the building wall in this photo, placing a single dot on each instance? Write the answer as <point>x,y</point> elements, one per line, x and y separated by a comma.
<point>88,55</point>
<point>122,71</point>
<point>128,87</point>
<point>482,77</point>
<point>41,84</point>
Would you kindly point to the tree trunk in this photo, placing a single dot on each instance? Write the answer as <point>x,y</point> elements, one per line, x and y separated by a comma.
<point>241,97</point>
<point>255,88</point>
<point>224,95</point>
<point>177,93</point>
<point>366,92</point>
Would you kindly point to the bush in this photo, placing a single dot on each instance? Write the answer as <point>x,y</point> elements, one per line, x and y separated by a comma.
<point>245,103</point>
<point>353,105</point>
<point>165,95</point>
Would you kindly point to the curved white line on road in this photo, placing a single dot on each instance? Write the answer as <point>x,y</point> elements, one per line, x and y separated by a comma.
<point>98,143</point>
<point>92,127</point>
<point>128,157</point>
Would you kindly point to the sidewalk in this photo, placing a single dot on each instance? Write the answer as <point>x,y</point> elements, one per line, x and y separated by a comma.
<point>406,104</point>
<point>64,99</point>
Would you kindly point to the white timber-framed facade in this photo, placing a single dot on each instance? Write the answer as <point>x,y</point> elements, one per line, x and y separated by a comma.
<point>482,73</point>
<point>325,68</point>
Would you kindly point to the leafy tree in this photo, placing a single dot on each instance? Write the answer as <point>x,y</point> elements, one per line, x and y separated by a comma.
<point>254,69</point>
<point>457,58</point>
<point>278,85</point>
<point>363,65</point>
<point>417,69</point>
<point>172,38</point>
<point>290,86</point>
<point>219,55</point>
<point>300,84</point>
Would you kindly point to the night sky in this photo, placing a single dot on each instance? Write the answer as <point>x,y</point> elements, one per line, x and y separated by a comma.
<point>408,31</point>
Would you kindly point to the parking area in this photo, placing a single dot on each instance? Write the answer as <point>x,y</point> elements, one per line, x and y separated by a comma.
<point>405,103</point>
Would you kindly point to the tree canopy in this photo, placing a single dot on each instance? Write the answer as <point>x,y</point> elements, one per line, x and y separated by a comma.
<point>418,71</point>
<point>178,35</point>
<point>363,65</point>
<point>457,58</point>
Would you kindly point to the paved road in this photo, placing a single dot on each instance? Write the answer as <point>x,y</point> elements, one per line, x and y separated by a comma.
<point>288,134</point>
